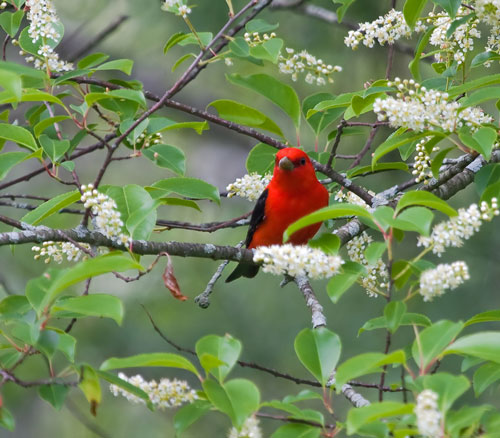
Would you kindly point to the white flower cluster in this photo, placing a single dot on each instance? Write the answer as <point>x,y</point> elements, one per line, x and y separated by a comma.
<point>297,260</point>
<point>415,107</point>
<point>422,167</point>
<point>488,11</point>
<point>58,250</point>
<point>318,72</point>
<point>250,429</point>
<point>177,7</point>
<point>459,42</point>
<point>146,140</point>
<point>459,228</point>
<point>163,394</point>
<point>387,29</point>
<point>249,187</point>
<point>435,282</point>
<point>106,215</point>
<point>377,273</point>
<point>352,198</point>
<point>428,415</point>
<point>255,38</point>
<point>42,17</point>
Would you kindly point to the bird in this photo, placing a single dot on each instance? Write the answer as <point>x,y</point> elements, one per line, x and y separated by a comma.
<point>293,192</point>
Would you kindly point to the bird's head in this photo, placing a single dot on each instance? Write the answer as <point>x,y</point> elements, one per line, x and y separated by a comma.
<point>293,164</point>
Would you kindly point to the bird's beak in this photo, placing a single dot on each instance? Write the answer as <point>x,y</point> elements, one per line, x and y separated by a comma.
<point>286,164</point>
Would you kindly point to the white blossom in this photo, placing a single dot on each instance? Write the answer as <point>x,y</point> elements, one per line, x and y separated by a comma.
<point>417,108</point>
<point>488,11</point>
<point>376,273</point>
<point>297,260</point>
<point>250,429</point>
<point>435,282</point>
<point>249,186</point>
<point>317,71</point>
<point>146,140</point>
<point>352,198</point>
<point>57,251</point>
<point>428,415</point>
<point>163,394</point>
<point>422,167</point>
<point>459,228</point>
<point>43,19</point>
<point>106,216</point>
<point>177,7</point>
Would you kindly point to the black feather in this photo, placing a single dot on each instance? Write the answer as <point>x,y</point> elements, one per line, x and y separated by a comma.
<point>258,215</point>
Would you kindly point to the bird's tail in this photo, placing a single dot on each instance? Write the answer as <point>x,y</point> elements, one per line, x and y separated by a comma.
<point>243,270</point>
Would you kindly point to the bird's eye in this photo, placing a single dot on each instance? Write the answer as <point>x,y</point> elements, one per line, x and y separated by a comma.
<point>302,161</point>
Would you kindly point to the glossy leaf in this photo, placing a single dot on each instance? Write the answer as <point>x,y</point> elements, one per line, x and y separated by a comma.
<point>8,160</point>
<point>485,376</point>
<point>277,92</point>
<point>484,345</point>
<point>51,207</point>
<point>450,6</point>
<point>169,360</point>
<point>132,389</point>
<point>100,305</point>
<point>412,11</point>
<point>54,394</point>
<point>448,386</point>
<point>489,316</point>
<point>407,319</point>
<point>340,283</point>
<point>91,388</point>
<point>319,351</point>
<point>393,314</point>
<point>189,414</point>
<point>358,417</point>
<point>55,149</point>
<point>425,199</point>
<point>341,10</point>
<point>123,65</point>
<point>168,157</point>
<point>189,187</point>
<point>19,135</point>
<point>292,430</point>
<point>225,348</point>
<point>261,159</point>
<point>46,123</point>
<point>321,120</point>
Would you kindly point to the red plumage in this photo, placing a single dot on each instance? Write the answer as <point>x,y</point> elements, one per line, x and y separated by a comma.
<point>294,191</point>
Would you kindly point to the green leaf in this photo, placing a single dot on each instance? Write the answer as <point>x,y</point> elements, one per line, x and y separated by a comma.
<point>412,10</point>
<point>437,161</point>
<point>393,314</point>
<point>225,348</point>
<point>101,305</point>
<point>450,6</point>
<point>45,123</point>
<point>268,51</point>
<point>407,319</point>
<point>433,341</point>
<point>205,38</point>
<point>238,398</point>
<point>425,199</point>
<point>135,96</point>
<point>330,212</point>
<point>319,121</point>
<point>137,209</point>
<point>326,242</point>
<point>54,394</point>
<point>277,92</point>
<point>261,159</point>
<point>485,345</point>
<point>169,360</point>
<point>379,167</point>
<point>358,417</point>
<point>89,384</point>
<point>10,21</point>
<point>11,81</point>
<point>168,157</point>
<point>132,389</point>
<point>19,135</point>
<point>239,48</point>
<point>483,57</point>
<point>244,115</point>
<point>474,84</point>
<point>55,149</point>
<point>6,419</point>
<point>8,160</point>
<point>414,65</point>
<point>13,305</point>
<point>485,376</point>
<point>319,351</point>
<point>175,39</point>
<point>366,363</point>
<point>481,140</point>
<point>340,283</point>
<point>466,418</point>
<point>178,202</point>
<point>417,219</point>
<point>183,58</point>
<point>92,60</point>
<point>27,44</point>
<point>114,261</point>
<point>124,65</point>
<point>492,315</point>
<point>448,386</point>
<point>375,251</point>
<point>487,175</point>
<point>189,187</point>
<point>51,207</point>
<point>342,9</point>
<point>189,414</point>
<point>396,141</point>
<point>292,430</point>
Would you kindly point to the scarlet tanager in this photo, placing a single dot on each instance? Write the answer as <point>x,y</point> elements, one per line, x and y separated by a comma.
<point>294,191</point>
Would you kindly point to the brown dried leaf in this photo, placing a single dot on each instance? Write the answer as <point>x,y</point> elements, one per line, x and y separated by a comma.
<point>171,282</point>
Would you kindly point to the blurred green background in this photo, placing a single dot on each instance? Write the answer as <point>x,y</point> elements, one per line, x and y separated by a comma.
<point>263,316</point>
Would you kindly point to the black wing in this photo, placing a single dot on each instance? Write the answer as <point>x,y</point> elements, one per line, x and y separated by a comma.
<point>245,269</point>
<point>258,216</point>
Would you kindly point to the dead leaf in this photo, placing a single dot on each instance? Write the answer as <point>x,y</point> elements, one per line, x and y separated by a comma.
<point>171,282</point>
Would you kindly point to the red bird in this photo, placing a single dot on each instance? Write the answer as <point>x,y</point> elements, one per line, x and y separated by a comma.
<point>294,191</point>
